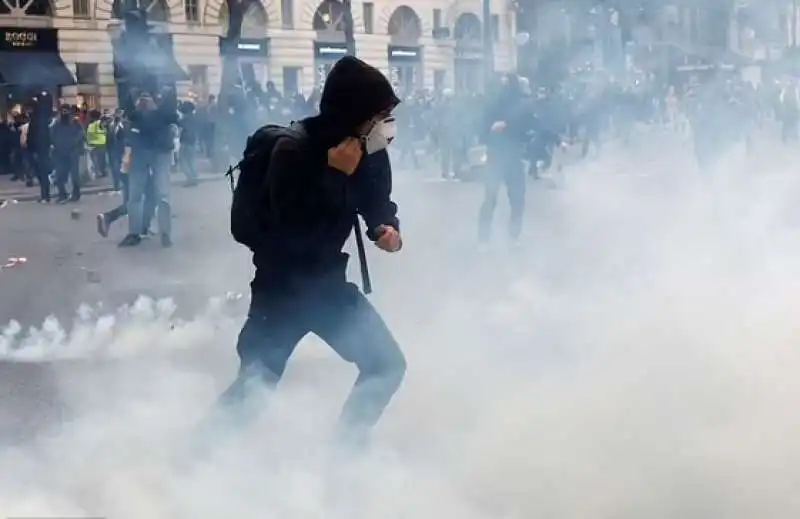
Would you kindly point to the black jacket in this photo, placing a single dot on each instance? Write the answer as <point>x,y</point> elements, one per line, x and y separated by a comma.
<point>310,208</point>
<point>311,212</point>
<point>67,138</point>
<point>151,130</point>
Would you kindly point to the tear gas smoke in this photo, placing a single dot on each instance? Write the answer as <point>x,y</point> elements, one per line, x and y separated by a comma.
<point>637,360</point>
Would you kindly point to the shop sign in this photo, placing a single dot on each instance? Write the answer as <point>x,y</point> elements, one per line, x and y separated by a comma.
<point>244,47</point>
<point>469,53</point>
<point>329,50</point>
<point>16,39</point>
<point>403,53</point>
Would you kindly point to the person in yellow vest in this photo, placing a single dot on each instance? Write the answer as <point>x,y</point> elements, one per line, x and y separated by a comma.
<point>96,140</point>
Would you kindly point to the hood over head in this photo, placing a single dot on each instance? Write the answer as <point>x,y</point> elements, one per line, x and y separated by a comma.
<point>355,92</point>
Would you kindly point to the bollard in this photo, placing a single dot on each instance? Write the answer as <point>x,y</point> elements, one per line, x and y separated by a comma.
<point>75,214</point>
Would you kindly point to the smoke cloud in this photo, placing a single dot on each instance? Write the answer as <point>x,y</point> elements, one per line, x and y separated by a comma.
<point>637,359</point>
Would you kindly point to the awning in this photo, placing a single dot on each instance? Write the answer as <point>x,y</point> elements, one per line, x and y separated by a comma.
<point>34,69</point>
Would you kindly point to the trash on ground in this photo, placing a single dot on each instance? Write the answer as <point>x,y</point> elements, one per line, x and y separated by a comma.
<point>13,262</point>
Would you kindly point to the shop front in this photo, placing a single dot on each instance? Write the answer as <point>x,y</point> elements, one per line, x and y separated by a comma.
<point>30,65</point>
<point>252,57</point>
<point>325,56</point>
<point>405,68</point>
<point>469,60</point>
<point>468,69</point>
<point>405,52</point>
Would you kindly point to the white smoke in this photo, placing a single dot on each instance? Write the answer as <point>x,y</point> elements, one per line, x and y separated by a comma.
<point>637,360</point>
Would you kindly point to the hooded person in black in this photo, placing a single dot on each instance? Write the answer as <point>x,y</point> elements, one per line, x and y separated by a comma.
<point>507,124</point>
<point>315,189</point>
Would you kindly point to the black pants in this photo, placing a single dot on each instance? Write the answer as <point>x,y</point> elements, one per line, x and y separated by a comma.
<point>543,153</point>
<point>115,154</point>
<point>501,172</point>
<point>341,316</point>
<point>68,169</point>
<point>42,166</point>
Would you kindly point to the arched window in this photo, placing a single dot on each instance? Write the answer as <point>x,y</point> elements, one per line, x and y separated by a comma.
<point>254,22</point>
<point>468,29</point>
<point>26,7</point>
<point>405,27</point>
<point>157,10</point>
<point>329,17</point>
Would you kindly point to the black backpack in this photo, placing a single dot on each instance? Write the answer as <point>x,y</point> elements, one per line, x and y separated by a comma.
<point>249,202</point>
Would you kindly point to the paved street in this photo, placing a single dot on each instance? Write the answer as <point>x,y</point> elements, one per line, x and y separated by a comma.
<point>17,190</point>
<point>69,263</point>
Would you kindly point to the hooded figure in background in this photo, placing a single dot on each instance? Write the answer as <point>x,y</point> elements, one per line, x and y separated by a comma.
<point>506,127</point>
<point>318,182</point>
<point>68,145</point>
<point>38,140</point>
<point>189,135</point>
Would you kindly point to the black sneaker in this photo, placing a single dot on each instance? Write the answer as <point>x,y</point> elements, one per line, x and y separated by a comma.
<point>131,240</point>
<point>166,241</point>
<point>62,201</point>
<point>102,225</point>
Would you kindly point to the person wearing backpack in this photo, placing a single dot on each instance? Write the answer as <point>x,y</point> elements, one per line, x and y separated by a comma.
<point>299,194</point>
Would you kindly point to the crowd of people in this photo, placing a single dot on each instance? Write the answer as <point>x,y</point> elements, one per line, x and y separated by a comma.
<point>441,130</point>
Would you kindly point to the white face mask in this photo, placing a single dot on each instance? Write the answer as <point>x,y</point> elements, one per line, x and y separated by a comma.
<point>381,135</point>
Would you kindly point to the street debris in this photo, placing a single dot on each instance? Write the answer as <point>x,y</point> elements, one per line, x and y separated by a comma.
<point>13,262</point>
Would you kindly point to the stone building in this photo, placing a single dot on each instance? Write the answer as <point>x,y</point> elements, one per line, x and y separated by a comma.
<point>417,43</point>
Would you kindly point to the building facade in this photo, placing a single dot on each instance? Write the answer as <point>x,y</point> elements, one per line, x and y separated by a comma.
<point>418,44</point>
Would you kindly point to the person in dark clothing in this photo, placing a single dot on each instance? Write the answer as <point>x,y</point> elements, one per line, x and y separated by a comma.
<point>38,141</point>
<point>315,189</point>
<point>5,147</point>
<point>508,124</point>
<point>190,129</point>
<point>116,149</point>
<point>67,137</point>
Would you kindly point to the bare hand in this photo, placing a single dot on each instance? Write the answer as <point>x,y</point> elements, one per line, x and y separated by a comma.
<point>390,240</point>
<point>346,156</point>
<point>498,126</point>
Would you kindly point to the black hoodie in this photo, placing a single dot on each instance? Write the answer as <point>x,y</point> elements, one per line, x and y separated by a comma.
<point>311,208</point>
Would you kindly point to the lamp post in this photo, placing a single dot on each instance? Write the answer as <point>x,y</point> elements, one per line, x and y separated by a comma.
<point>229,43</point>
<point>349,29</point>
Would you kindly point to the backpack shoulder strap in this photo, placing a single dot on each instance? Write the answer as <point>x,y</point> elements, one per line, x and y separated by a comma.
<point>279,131</point>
